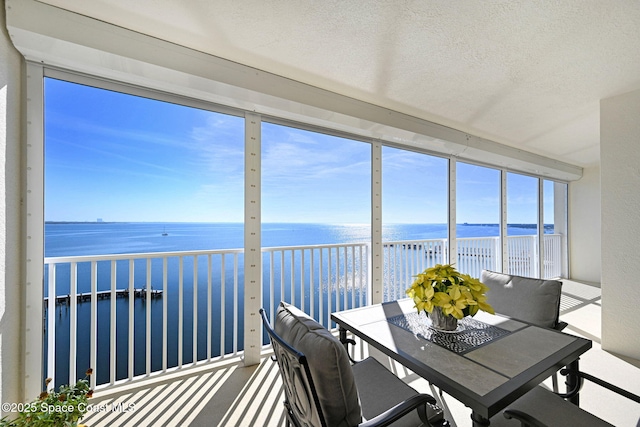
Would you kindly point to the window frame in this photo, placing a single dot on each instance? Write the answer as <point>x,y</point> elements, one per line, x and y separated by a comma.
<point>34,192</point>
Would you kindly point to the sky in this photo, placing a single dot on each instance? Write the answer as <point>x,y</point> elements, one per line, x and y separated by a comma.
<point>119,157</point>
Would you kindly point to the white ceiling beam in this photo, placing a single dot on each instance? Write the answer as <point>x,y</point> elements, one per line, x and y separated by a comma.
<point>59,38</point>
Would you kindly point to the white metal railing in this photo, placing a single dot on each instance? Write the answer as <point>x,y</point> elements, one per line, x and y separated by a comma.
<point>319,279</point>
<point>478,253</point>
<point>194,295</point>
<point>552,256</point>
<point>132,315</point>
<point>109,308</point>
<point>404,259</point>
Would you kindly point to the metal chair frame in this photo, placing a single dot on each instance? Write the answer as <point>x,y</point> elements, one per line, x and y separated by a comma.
<point>530,420</point>
<point>294,364</point>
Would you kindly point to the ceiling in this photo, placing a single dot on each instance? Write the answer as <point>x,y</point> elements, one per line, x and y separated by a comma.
<point>522,73</point>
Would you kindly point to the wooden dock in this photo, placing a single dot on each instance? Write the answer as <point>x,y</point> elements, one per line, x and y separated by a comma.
<point>100,295</point>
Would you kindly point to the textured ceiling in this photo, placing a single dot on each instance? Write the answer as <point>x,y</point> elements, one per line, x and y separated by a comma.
<point>523,73</point>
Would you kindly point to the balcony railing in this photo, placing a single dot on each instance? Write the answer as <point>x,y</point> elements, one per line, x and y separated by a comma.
<point>130,316</point>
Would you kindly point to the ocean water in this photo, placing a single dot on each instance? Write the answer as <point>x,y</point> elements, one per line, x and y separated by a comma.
<point>73,239</point>
<point>76,239</point>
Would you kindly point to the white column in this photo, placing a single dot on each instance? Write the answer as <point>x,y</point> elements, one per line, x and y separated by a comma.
<point>377,250</point>
<point>504,244</point>
<point>34,208</point>
<point>252,242</point>
<point>452,238</point>
<point>540,254</point>
<point>560,199</point>
<point>620,181</point>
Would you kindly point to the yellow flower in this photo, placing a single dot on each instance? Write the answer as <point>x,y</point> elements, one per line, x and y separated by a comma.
<point>454,292</point>
<point>452,306</point>
<point>458,294</point>
<point>483,305</point>
<point>422,297</point>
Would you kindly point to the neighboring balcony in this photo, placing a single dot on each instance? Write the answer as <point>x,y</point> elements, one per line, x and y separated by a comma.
<point>134,316</point>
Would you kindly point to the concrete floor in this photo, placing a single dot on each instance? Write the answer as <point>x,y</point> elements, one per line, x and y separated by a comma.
<point>228,394</point>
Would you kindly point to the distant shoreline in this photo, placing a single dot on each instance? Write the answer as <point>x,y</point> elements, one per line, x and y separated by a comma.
<point>83,222</point>
<point>170,222</point>
<point>508,225</point>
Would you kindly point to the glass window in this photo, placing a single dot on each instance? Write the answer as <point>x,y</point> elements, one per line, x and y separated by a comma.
<point>478,219</point>
<point>316,192</point>
<point>522,225</point>
<point>555,229</point>
<point>414,213</point>
<point>126,174</point>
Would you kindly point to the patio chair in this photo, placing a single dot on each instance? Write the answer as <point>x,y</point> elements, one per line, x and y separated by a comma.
<point>322,388</point>
<point>542,408</point>
<point>536,301</point>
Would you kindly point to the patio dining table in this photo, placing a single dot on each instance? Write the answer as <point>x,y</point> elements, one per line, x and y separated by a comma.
<point>489,362</point>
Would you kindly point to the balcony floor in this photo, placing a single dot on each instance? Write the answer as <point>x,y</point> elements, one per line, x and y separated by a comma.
<point>229,394</point>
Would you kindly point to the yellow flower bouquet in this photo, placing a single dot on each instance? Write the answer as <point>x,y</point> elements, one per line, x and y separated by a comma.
<point>457,294</point>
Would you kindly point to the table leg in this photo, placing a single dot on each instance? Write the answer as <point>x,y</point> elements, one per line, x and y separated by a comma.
<point>572,383</point>
<point>343,336</point>
<point>478,420</point>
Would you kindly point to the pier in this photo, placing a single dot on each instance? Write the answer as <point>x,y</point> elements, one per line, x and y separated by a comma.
<point>100,295</point>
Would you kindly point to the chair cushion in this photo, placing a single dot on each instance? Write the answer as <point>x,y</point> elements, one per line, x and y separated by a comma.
<point>535,301</point>
<point>328,362</point>
<point>380,390</point>
<point>550,409</point>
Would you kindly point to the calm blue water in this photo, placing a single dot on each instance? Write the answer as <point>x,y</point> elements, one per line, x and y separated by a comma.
<point>72,239</point>
<point>75,239</point>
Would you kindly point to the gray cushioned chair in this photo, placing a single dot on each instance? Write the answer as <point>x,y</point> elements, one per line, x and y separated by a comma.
<point>323,389</point>
<point>536,301</point>
<point>542,408</point>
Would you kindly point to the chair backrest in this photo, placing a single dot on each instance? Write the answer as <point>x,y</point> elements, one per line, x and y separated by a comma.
<point>536,301</point>
<point>318,381</point>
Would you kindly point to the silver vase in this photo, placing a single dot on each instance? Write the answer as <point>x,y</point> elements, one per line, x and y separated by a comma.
<point>441,321</point>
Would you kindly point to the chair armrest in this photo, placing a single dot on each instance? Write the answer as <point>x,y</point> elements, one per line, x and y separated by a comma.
<point>417,402</point>
<point>602,383</point>
<point>525,419</point>
<point>346,343</point>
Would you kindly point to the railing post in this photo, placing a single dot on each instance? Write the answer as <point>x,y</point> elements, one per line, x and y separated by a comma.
<point>51,325</point>
<point>534,253</point>
<point>497,254</point>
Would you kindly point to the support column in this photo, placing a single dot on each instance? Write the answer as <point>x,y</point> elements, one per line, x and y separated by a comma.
<point>377,250</point>
<point>452,238</point>
<point>560,199</point>
<point>540,264</point>
<point>252,242</point>
<point>34,245</point>
<point>504,244</point>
